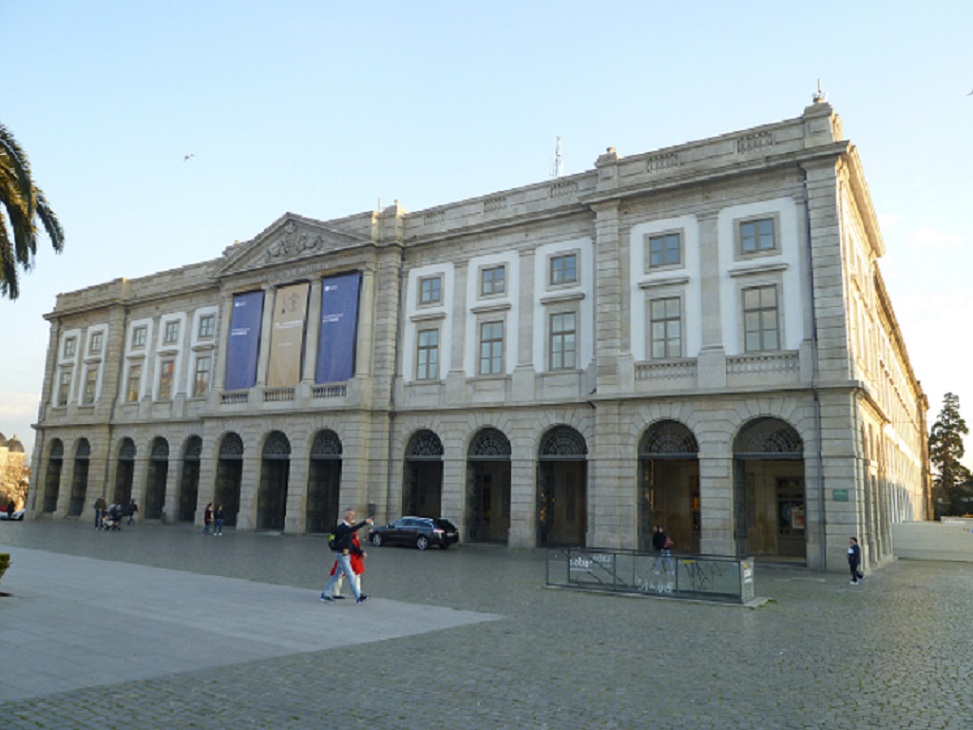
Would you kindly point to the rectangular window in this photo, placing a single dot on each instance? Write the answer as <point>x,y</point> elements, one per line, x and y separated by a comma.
<point>64,388</point>
<point>207,325</point>
<point>492,281</point>
<point>138,338</point>
<point>491,348</point>
<point>70,344</point>
<point>96,340</point>
<point>172,333</point>
<point>201,377</point>
<point>90,381</point>
<point>760,319</point>
<point>431,290</point>
<point>427,357</point>
<point>166,371</point>
<point>134,382</point>
<point>665,250</point>
<point>665,324</point>
<point>564,341</point>
<point>564,269</point>
<point>757,236</point>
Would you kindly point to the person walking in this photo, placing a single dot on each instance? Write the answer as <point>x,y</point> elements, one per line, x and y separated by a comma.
<point>207,517</point>
<point>99,512</point>
<point>855,561</point>
<point>343,546</point>
<point>662,543</point>
<point>132,510</point>
<point>218,521</point>
<point>357,565</point>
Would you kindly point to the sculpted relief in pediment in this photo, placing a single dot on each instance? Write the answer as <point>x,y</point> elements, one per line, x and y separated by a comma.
<point>293,242</point>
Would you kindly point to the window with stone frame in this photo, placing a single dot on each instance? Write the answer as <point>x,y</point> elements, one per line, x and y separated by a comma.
<point>134,382</point>
<point>64,387</point>
<point>97,338</point>
<point>493,280</point>
<point>90,384</point>
<point>491,348</point>
<point>70,346</point>
<point>563,340</point>
<point>430,290</point>
<point>563,269</point>
<point>758,235</point>
<point>201,376</point>
<point>166,372</point>
<point>207,326</point>
<point>665,328</point>
<point>427,355</point>
<point>171,333</point>
<point>138,338</point>
<point>664,250</point>
<point>760,319</point>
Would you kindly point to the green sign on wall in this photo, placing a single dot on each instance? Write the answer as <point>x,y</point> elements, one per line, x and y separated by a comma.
<point>839,495</point>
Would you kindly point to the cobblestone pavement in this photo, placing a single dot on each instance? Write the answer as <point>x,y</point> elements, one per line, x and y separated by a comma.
<point>893,653</point>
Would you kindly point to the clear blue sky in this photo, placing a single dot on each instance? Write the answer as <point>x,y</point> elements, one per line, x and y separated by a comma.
<point>325,108</point>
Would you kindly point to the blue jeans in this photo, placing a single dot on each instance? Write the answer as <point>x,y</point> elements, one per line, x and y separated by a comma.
<point>344,567</point>
<point>217,526</point>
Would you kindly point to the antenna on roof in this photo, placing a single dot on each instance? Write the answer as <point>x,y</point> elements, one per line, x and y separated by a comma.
<point>820,97</point>
<point>557,167</point>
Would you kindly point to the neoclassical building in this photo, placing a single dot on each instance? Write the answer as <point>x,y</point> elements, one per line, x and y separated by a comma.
<point>697,337</point>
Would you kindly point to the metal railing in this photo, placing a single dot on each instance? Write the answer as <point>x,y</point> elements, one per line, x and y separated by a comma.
<point>701,577</point>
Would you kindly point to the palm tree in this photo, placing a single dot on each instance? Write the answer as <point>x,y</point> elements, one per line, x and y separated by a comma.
<point>20,203</point>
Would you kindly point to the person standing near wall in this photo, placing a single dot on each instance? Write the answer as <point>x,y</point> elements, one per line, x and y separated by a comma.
<point>855,561</point>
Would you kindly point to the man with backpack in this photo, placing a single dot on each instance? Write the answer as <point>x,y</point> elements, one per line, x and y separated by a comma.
<point>342,545</point>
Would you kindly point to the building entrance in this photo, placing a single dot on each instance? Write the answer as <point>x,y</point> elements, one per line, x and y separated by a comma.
<point>488,487</point>
<point>323,483</point>
<point>272,494</point>
<point>79,481</point>
<point>52,480</point>
<point>155,492</point>
<point>229,474</point>
<point>189,483</point>
<point>422,491</point>
<point>669,486</point>
<point>768,491</point>
<point>562,494</point>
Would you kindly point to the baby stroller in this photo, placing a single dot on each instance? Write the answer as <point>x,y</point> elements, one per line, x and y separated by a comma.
<point>112,521</point>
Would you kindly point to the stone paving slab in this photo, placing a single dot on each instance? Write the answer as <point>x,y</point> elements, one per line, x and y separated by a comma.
<point>820,654</point>
<point>67,626</point>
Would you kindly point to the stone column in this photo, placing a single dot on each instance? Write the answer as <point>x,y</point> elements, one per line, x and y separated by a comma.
<point>219,369</point>
<point>716,503</point>
<point>313,332</point>
<point>523,503</point>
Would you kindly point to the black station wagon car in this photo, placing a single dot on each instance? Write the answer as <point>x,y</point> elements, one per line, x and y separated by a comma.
<point>420,532</point>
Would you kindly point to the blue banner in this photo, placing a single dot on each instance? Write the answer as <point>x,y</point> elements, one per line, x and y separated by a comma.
<point>339,328</point>
<point>244,342</point>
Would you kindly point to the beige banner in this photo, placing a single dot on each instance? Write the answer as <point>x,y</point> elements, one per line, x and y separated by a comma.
<point>287,336</point>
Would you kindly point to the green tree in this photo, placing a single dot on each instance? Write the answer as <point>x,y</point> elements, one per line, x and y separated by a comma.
<point>21,204</point>
<point>946,449</point>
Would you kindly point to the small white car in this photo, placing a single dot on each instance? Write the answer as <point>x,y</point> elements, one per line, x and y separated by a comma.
<point>17,515</point>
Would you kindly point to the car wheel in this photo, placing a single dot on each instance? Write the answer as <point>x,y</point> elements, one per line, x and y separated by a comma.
<point>422,542</point>
<point>377,540</point>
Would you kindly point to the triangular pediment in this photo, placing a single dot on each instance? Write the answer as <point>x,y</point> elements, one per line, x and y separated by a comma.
<point>290,239</point>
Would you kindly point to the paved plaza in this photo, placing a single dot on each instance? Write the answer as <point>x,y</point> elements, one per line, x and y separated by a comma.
<point>162,627</point>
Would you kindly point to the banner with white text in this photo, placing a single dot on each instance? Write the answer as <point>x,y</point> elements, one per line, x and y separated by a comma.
<point>244,341</point>
<point>339,328</point>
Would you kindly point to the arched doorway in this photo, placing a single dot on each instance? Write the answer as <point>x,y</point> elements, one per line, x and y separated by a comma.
<point>125,471</point>
<point>422,489</point>
<point>488,487</point>
<point>229,474</point>
<point>52,479</point>
<point>79,482</point>
<point>768,490</point>
<point>189,483</point>
<point>323,483</point>
<point>562,488</point>
<point>669,485</point>
<point>155,488</point>
<point>272,494</point>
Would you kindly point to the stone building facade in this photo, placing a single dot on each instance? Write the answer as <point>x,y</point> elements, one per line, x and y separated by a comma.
<point>697,337</point>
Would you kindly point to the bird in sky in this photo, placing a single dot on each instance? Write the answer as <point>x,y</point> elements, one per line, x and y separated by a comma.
<point>188,157</point>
